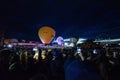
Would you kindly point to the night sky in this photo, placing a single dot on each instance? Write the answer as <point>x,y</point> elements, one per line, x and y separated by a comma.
<point>69,18</point>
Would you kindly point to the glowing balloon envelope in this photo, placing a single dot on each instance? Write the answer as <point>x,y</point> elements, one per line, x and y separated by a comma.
<point>7,41</point>
<point>46,34</point>
<point>60,40</point>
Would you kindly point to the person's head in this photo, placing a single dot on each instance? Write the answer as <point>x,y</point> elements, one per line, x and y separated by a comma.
<point>24,56</point>
<point>43,54</point>
<point>55,53</point>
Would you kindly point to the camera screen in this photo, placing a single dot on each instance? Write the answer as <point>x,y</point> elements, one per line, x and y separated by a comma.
<point>78,50</point>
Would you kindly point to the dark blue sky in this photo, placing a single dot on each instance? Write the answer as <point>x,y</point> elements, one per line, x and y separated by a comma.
<point>81,18</point>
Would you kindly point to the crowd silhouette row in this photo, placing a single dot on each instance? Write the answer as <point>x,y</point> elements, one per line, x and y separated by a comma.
<point>58,64</point>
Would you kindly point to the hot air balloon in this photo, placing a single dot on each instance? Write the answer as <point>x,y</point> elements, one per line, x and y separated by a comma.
<point>46,34</point>
<point>60,40</point>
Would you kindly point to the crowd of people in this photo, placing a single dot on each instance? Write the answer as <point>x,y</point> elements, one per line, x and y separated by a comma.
<point>59,64</point>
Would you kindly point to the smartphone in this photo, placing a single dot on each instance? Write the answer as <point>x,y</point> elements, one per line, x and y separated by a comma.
<point>94,51</point>
<point>78,50</point>
<point>35,49</point>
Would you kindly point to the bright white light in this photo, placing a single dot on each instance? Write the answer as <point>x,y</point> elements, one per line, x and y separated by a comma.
<point>81,40</point>
<point>94,51</point>
<point>66,44</point>
<point>78,50</point>
<point>9,46</point>
<point>66,39</point>
<point>71,45</point>
<point>112,40</point>
<point>35,49</point>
